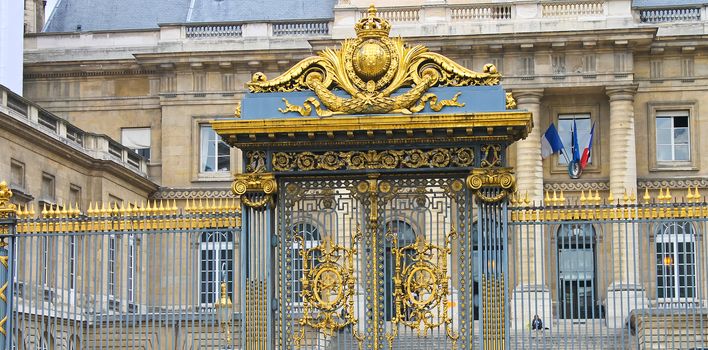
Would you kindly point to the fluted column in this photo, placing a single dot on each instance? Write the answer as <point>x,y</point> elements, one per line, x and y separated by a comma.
<point>531,294</point>
<point>623,165</point>
<point>623,294</point>
<point>529,165</point>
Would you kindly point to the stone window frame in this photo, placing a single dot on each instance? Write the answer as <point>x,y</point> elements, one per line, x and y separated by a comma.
<point>652,110</point>
<point>594,110</point>
<point>219,245</point>
<point>197,174</point>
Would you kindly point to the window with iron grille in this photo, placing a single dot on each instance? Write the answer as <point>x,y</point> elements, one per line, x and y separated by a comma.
<point>675,262</point>
<point>216,261</point>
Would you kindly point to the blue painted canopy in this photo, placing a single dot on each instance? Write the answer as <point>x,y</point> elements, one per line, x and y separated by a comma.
<point>476,99</point>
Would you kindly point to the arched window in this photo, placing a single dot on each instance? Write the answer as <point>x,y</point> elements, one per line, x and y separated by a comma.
<point>675,262</point>
<point>310,238</point>
<point>74,342</point>
<point>216,261</point>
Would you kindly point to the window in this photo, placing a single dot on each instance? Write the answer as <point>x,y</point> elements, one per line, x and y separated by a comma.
<point>675,262</point>
<point>215,264</point>
<point>228,82</point>
<point>590,63</point>
<point>527,66</point>
<point>17,174</point>
<point>75,196</point>
<point>131,268</point>
<point>214,153</point>
<point>137,139</point>
<point>565,126</point>
<point>199,81</point>
<point>672,136</point>
<point>111,278</point>
<point>577,284</point>
<point>310,238</point>
<point>48,189</point>
<point>656,69</point>
<point>558,62</point>
<point>687,67</point>
<point>72,262</point>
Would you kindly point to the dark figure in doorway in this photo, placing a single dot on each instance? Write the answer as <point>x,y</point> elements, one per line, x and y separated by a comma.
<point>537,323</point>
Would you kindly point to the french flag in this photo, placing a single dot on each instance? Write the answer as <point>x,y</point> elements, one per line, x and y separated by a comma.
<point>550,142</point>
<point>586,152</point>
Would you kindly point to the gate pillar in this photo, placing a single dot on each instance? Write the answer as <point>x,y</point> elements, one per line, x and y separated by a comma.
<point>7,231</point>
<point>257,192</point>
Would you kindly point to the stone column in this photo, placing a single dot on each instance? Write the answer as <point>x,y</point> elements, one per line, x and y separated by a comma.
<point>623,164</point>
<point>531,294</point>
<point>623,294</point>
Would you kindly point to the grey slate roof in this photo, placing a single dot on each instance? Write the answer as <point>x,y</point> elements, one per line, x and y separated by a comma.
<point>94,15</point>
<point>666,3</point>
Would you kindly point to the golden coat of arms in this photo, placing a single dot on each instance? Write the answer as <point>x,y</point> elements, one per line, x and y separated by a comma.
<point>370,69</point>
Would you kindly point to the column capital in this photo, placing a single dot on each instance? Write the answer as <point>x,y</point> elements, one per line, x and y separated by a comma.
<point>527,96</point>
<point>621,92</point>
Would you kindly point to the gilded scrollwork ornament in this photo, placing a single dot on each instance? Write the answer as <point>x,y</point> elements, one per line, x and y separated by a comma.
<point>328,287</point>
<point>262,184</point>
<point>373,159</point>
<point>369,69</point>
<point>421,286</point>
<point>502,179</point>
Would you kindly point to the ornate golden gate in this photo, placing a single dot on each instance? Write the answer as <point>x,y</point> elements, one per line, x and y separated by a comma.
<point>380,222</point>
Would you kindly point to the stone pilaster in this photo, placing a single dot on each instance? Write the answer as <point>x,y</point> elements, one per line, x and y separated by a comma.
<point>531,295</point>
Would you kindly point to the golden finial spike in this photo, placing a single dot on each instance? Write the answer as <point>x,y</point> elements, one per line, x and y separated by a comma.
<point>689,194</point>
<point>162,207</point>
<point>44,209</point>
<point>547,200</point>
<point>220,208</point>
<point>32,212</point>
<point>554,200</point>
<point>582,197</point>
<point>174,206</point>
<point>526,199</point>
<point>668,195</point>
<point>660,197</point>
<point>122,211</point>
<point>696,195</point>
<point>201,205</point>
<point>610,198</point>
<point>625,197</point>
<point>632,197</point>
<point>647,197</point>
<point>561,198</point>
<point>187,208</point>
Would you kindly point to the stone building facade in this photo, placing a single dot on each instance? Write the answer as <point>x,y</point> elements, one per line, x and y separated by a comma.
<point>635,69</point>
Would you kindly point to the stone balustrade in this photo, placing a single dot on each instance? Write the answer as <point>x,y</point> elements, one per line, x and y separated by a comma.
<point>214,31</point>
<point>301,28</point>
<point>573,9</point>
<point>94,145</point>
<point>480,12</point>
<point>398,14</point>
<point>669,15</point>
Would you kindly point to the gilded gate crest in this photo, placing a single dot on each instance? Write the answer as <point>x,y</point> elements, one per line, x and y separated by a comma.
<point>370,69</point>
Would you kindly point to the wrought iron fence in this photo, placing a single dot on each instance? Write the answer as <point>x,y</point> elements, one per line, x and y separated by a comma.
<point>125,277</point>
<point>609,273</point>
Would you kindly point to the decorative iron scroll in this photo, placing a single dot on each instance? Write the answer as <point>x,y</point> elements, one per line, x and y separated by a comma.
<point>422,287</point>
<point>502,178</point>
<point>328,287</point>
<point>370,68</point>
<point>255,182</point>
<point>389,159</point>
